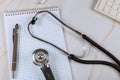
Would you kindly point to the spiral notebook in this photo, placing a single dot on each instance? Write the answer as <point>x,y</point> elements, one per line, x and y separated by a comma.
<point>47,28</point>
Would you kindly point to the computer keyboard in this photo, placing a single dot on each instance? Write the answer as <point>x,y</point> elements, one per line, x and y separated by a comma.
<point>110,8</point>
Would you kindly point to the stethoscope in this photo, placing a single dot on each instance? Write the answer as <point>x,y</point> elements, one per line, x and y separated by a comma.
<point>71,56</point>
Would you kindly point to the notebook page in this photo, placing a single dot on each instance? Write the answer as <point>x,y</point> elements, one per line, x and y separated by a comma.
<point>47,28</point>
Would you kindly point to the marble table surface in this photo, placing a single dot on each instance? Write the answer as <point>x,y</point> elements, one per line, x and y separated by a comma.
<point>80,15</point>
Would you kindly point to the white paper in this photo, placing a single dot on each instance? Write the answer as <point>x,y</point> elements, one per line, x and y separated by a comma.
<point>47,28</point>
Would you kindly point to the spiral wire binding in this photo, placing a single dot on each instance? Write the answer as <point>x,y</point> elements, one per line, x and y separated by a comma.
<point>27,11</point>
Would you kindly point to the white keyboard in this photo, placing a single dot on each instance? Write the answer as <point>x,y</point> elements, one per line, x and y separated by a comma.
<point>110,8</point>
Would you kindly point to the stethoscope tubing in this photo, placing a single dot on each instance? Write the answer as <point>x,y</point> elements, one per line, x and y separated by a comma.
<point>71,56</point>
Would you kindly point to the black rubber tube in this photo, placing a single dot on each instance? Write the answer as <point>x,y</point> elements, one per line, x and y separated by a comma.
<point>101,48</point>
<point>79,33</point>
<point>117,67</point>
<point>73,57</point>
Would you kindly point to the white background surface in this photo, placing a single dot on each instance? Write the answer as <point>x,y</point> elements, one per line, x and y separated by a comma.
<point>80,15</point>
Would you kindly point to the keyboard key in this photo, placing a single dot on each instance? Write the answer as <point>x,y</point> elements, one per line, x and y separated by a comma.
<point>100,7</point>
<point>107,9</point>
<point>111,0</point>
<point>109,4</point>
<point>118,16</point>
<point>103,2</point>
<point>113,13</point>
<point>115,7</point>
<point>119,9</point>
<point>117,1</point>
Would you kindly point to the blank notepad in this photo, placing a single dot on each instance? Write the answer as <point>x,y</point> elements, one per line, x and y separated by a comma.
<point>47,28</point>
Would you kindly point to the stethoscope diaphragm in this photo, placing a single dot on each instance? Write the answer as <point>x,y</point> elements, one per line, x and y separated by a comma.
<point>40,58</point>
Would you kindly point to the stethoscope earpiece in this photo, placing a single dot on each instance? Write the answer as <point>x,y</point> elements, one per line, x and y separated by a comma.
<point>33,21</point>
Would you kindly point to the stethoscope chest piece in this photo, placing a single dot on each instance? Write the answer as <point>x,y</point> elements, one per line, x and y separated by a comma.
<point>40,58</point>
